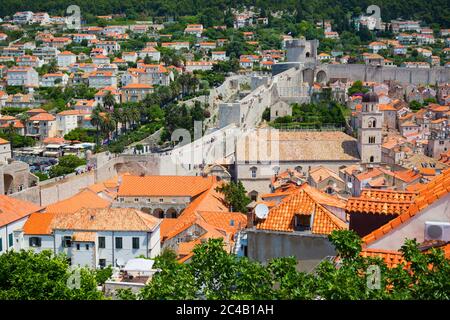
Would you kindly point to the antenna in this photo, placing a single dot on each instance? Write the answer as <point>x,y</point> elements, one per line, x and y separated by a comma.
<point>261,211</point>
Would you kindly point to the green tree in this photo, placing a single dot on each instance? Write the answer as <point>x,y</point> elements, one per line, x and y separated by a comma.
<point>66,165</point>
<point>42,276</point>
<point>235,196</point>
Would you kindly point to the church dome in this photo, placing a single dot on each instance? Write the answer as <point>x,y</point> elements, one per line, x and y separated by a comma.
<point>370,97</point>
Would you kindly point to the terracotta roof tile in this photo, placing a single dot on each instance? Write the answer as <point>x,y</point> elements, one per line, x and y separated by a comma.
<point>12,209</point>
<point>164,185</point>
<point>84,199</point>
<point>38,223</point>
<point>380,202</point>
<point>302,202</point>
<point>427,195</point>
<point>110,219</point>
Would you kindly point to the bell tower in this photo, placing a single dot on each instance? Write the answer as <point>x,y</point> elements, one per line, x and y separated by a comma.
<point>370,129</point>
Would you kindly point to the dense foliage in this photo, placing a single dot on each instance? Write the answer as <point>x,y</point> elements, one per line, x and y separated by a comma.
<point>66,165</point>
<point>313,115</point>
<point>235,196</point>
<point>214,274</point>
<point>217,11</point>
<point>29,276</point>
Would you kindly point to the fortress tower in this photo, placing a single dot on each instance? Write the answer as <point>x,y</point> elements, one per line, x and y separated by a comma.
<point>301,50</point>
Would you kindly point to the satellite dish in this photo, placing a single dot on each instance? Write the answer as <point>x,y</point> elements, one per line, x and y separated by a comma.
<point>349,185</point>
<point>261,211</point>
<point>120,262</point>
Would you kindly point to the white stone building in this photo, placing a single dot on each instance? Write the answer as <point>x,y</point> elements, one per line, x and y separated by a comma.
<point>94,238</point>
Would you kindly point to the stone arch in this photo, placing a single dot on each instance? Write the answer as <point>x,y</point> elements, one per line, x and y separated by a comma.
<point>307,55</point>
<point>158,212</point>
<point>147,210</point>
<point>321,76</point>
<point>171,213</point>
<point>7,182</point>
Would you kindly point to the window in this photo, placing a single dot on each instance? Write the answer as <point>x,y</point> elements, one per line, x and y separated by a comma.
<point>253,170</point>
<point>34,242</point>
<point>101,242</point>
<point>135,243</point>
<point>102,263</point>
<point>87,247</point>
<point>302,222</point>
<point>161,200</point>
<point>441,142</point>
<point>66,241</point>
<point>78,246</point>
<point>1,244</point>
<point>136,199</point>
<point>10,240</point>
<point>371,139</point>
<point>118,243</point>
<point>371,159</point>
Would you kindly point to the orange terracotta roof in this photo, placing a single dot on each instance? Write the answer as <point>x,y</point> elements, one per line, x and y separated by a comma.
<point>407,175</point>
<point>3,141</point>
<point>83,236</point>
<point>431,192</point>
<point>374,201</point>
<point>137,86</point>
<point>54,140</point>
<point>281,217</point>
<point>36,111</point>
<point>386,107</point>
<point>42,117</point>
<point>39,224</point>
<point>164,185</point>
<point>391,258</point>
<point>83,199</point>
<point>106,219</point>
<point>12,209</point>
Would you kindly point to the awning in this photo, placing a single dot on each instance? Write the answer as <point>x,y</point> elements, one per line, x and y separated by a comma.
<point>143,265</point>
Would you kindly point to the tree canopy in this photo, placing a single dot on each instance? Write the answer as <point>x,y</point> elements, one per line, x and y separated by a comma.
<point>212,273</point>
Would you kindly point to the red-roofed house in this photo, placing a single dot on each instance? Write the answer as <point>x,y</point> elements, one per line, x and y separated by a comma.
<point>301,222</point>
<point>426,219</point>
<point>13,215</point>
<point>42,125</point>
<point>135,92</point>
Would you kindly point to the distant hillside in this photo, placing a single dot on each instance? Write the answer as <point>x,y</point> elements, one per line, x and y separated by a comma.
<point>430,11</point>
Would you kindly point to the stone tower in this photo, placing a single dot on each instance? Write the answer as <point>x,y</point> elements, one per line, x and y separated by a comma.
<point>301,50</point>
<point>370,129</point>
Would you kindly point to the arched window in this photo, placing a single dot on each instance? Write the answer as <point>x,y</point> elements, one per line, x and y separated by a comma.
<point>298,169</point>
<point>372,123</point>
<point>308,54</point>
<point>371,159</point>
<point>253,171</point>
